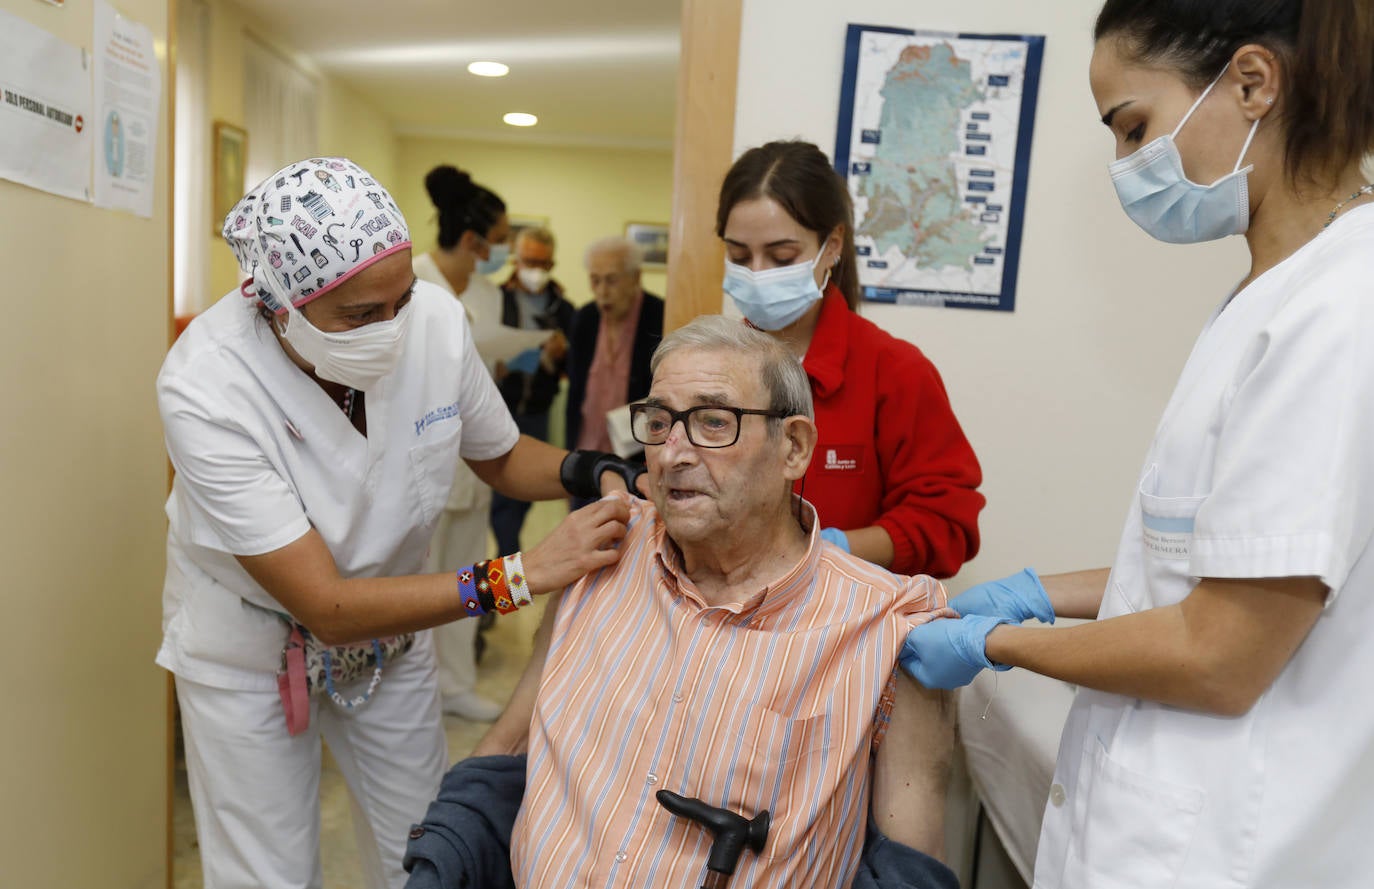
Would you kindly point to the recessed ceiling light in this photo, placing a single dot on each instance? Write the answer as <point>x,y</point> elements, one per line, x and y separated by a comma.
<point>520,119</point>
<point>488,69</point>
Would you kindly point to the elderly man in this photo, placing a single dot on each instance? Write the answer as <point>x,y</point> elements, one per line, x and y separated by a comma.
<point>731,655</point>
<point>613,339</point>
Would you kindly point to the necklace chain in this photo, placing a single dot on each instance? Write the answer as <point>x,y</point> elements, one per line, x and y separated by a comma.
<point>1367,188</point>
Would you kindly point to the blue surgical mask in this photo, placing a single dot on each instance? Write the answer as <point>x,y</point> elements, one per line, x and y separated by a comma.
<point>773,298</point>
<point>1159,197</point>
<point>496,259</point>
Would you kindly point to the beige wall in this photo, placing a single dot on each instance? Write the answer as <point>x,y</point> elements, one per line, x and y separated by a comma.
<point>1061,397</point>
<point>348,124</point>
<point>586,193</point>
<point>83,755</point>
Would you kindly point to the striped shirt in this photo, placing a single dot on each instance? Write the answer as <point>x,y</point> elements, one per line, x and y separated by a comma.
<point>768,703</point>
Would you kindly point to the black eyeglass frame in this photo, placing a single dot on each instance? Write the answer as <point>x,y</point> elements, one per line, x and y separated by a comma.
<point>639,408</point>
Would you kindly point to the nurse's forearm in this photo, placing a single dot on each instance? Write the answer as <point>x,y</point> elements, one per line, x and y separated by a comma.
<point>528,471</point>
<point>1077,593</point>
<point>872,544</point>
<point>1216,651</point>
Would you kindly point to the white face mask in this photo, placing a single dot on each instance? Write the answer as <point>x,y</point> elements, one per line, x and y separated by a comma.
<point>773,298</point>
<point>1161,199</point>
<point>356,358</point>
<point>533,280</point>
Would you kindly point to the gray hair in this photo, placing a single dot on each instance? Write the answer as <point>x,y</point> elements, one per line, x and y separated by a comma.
<point>789,391</point>
<point>632,257</point>
<point>538,234</point>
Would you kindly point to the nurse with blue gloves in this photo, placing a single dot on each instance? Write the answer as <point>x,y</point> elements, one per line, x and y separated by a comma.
<point>1219,736</point>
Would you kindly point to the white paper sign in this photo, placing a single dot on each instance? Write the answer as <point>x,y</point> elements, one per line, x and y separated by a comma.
<point>128,86</point>
<point>45,114</point>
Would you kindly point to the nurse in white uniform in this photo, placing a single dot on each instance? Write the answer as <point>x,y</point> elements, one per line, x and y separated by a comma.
<point>314,427</point>
<point>1222,735</point>
<point>473,235</point>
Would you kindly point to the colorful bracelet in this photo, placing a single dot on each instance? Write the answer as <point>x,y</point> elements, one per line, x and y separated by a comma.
<point>484,585</point>
<point>500,590</point>
<point>494,585</point>
<point>467,591</point>
<point>515,579</point>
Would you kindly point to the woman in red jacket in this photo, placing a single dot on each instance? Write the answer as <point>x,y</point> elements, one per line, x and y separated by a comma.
<point>894,480</point>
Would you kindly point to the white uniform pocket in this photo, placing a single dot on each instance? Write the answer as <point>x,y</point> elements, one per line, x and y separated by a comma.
<point>433,466</point>
<point>1166,540</point>
<point>1132,829</point>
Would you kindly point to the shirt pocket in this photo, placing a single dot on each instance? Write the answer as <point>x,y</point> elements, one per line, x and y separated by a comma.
<point>797,780</point>
<point>1166,544</point>
<point>432,468</point>
<point>1131,829</point>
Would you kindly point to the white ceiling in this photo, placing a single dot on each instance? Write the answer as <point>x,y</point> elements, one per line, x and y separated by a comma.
<point>596,72</point>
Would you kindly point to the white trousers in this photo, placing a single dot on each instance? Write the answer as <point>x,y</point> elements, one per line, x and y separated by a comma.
<point>459,539</point>
<point>256,790</point>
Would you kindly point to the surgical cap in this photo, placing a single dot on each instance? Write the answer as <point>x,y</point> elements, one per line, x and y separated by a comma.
<point>309,227</point>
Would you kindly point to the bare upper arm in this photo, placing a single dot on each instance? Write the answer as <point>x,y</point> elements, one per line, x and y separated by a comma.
<point>1247,631</point>
<point>300,575</point>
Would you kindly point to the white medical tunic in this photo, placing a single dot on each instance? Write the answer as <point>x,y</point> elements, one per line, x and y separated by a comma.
<point>262,455</point>
<point>1262,466</point>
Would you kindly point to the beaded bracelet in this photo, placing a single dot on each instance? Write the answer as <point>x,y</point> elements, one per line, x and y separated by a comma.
<point>515,579</point>
<point>467,592</point>
<point>494,585</point>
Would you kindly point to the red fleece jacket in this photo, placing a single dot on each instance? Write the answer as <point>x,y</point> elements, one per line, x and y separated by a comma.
<point>890,452</point>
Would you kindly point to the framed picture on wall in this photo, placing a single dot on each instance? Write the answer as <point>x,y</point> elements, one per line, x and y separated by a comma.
<point>521,221</point>
<point>230,162</point>
<point>652,238</point>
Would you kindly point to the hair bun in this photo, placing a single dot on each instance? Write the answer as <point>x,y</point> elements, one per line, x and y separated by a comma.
<point>448,186</point>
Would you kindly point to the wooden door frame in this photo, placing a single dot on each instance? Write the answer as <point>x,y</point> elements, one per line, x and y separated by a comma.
<point>703,149</point>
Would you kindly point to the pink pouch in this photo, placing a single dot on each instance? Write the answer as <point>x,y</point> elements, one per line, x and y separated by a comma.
<point>291,684</point>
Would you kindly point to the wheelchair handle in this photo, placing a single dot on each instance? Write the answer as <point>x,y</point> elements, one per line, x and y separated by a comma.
<point>732,832</point>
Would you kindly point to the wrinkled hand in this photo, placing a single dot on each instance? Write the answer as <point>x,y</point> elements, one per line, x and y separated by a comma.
<point>1018,597</point>
<point>586,541</point>
<point>949,653</point>
<point>836,536</point>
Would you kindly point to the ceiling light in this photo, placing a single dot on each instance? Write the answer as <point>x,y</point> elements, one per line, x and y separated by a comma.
<point>488,69</point>
<point>520,119</point>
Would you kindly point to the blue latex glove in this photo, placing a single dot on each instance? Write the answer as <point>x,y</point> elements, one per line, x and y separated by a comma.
<point>948,653</point>
<point>835,536</point>
<point>526,362</point>
<point>1019,597</point>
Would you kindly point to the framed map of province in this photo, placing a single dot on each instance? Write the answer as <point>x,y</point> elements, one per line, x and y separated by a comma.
<point>934,141</point>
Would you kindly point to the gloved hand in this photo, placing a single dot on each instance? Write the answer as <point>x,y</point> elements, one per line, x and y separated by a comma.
<point>836,536</point>
<point>949,653</point>
<point>1018,597</point>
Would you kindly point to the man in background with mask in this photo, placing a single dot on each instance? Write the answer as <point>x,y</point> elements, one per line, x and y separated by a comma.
<point>531,300</point>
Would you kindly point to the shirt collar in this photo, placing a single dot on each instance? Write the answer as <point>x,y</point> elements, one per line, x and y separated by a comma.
<point>772,599</point>
<point>824,361</point>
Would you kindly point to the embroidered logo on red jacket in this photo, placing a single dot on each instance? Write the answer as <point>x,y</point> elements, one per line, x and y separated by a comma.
<point>842,458</point>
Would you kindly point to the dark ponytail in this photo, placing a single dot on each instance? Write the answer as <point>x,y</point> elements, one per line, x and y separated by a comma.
<point>463,205</point>
<point>1330,107</point>
<point>1325,50</point>
<point>799,177</point>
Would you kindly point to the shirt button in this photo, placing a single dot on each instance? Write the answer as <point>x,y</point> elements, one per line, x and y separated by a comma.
<point>1057,795</point>
<point>620,856</point>
<point>652,779</point>
<point>677,699</point>
<point>416,832</point>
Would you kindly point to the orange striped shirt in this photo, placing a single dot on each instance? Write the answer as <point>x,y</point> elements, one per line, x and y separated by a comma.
<point>770,703</point>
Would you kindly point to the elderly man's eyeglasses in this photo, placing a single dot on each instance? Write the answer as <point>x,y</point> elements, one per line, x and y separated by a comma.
<point>707,425</point>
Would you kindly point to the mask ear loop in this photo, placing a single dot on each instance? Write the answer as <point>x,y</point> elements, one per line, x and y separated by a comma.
<point>1246,147</point>
<point>1198,101</point>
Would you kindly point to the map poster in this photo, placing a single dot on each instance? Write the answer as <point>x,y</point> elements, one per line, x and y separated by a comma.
<point>934,141</point>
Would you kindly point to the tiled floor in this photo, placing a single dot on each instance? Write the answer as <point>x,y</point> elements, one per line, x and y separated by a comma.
<point>508,648</point>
